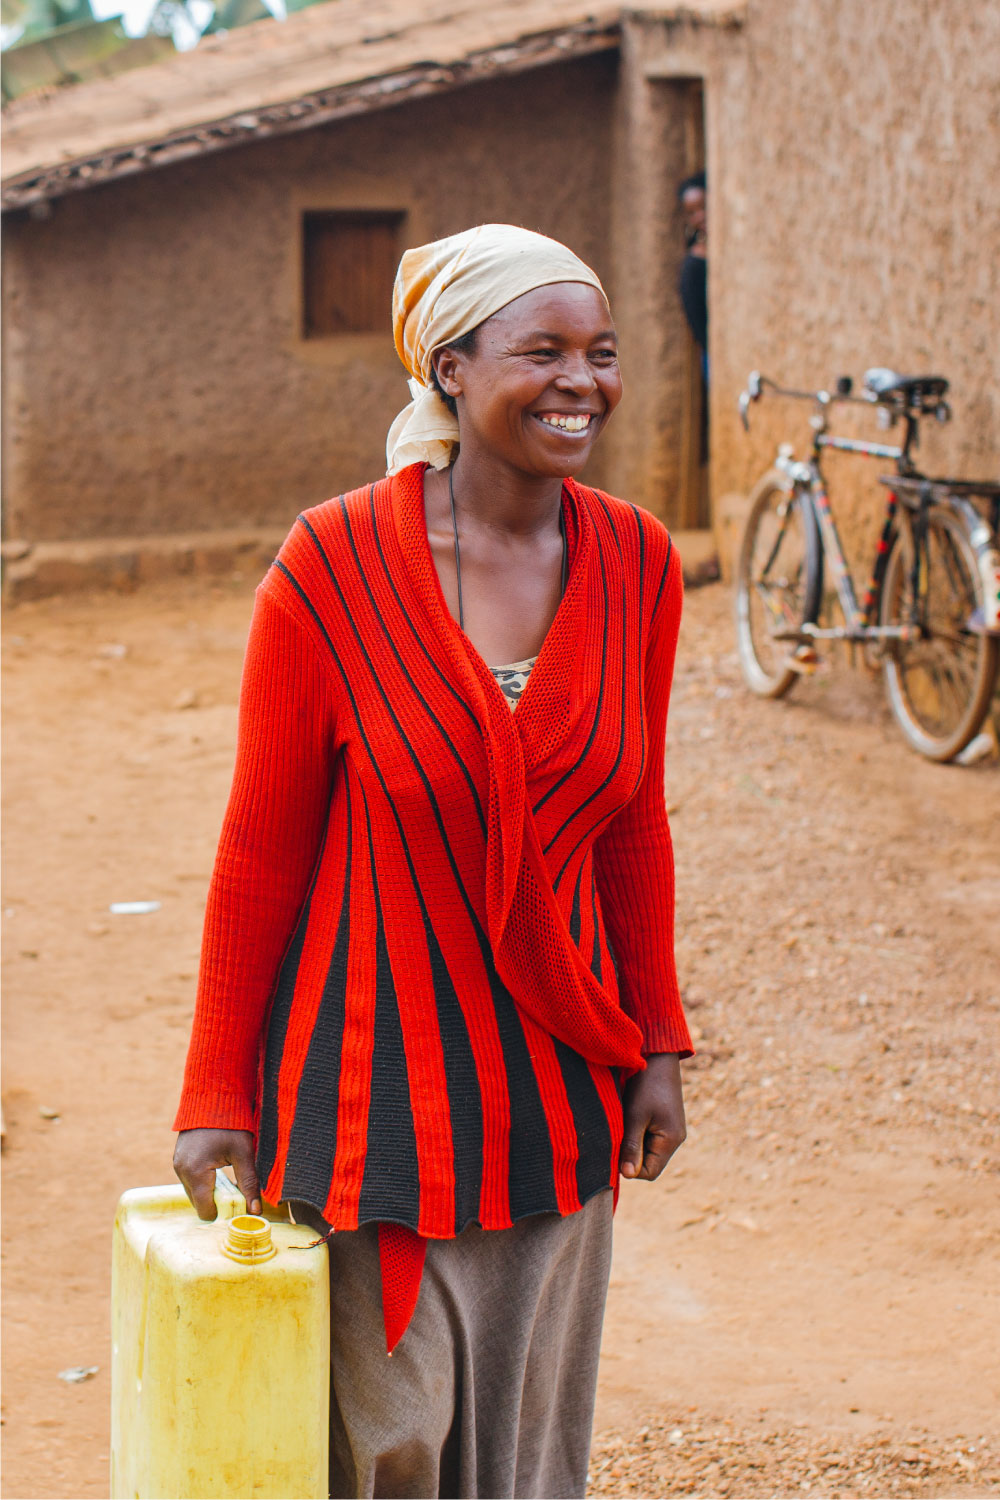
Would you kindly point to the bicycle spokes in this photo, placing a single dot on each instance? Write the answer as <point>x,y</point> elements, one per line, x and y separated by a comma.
<point>779,582</point>
<point>936,678</point>
<point>777,587</point>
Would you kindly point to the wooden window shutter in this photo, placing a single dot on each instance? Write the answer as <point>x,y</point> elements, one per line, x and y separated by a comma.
<point>349,263</point>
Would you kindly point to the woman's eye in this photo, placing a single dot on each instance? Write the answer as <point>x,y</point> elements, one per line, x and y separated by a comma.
<point>606,356</point>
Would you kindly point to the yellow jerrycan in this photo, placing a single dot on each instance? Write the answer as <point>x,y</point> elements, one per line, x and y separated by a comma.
<point>220,1362</point>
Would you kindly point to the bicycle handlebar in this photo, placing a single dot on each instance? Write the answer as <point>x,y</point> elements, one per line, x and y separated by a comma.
<point>842,394</point>
<point>900,399</point>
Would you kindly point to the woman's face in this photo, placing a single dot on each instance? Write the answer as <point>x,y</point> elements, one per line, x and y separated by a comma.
<point>541,383</point>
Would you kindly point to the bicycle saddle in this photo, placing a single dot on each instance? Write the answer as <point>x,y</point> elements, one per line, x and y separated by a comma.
<point>914,389</point>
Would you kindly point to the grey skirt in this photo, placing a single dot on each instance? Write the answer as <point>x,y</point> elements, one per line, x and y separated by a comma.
<point>490,1391</point>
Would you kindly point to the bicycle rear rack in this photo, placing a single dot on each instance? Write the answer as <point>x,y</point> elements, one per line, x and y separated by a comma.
<point>917,493</point>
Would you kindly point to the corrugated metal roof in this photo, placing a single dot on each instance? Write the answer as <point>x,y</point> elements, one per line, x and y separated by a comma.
<point>332,60</point>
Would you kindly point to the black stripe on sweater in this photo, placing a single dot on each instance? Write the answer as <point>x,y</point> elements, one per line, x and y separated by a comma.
<point>414,758</point>
<point>642,584</point>
<point>312,1146</point>
<point>274,1047</point>
<point>462,1082</point>
<point>418,638</point>
<point>531,1181</point>
<point>277,1023</point>
<point>621,732</point>
<point>456,757</point>
<point>597,708</point>
<point>575,918</point>
<point>390,1189</point>
<point>663,579</point>
<point>593,1134</point>
<point>596,965</point>
<point>595,959</point>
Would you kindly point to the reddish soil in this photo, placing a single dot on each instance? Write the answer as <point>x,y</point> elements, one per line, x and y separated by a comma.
<point>808,1303</point>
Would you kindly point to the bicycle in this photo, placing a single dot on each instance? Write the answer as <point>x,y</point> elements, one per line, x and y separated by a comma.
<point>930,615</point>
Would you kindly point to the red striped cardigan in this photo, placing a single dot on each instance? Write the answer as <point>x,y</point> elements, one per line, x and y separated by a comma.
<point>438,932</point>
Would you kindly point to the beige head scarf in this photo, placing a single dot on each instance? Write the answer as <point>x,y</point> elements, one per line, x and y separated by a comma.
<point>444,290</point>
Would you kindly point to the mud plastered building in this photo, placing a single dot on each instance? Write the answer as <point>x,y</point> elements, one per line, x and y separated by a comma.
<point>199,253</point>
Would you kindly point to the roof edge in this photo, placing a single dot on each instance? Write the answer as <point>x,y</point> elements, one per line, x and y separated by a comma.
<point>37,185</point>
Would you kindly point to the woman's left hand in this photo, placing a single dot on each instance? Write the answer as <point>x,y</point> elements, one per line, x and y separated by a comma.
<point>654,1117</point>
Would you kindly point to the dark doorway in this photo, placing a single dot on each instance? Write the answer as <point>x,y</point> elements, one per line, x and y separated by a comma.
<point>694,505</point>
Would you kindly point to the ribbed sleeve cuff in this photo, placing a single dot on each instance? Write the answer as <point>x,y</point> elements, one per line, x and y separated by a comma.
<point>215,1111</point>
<point>667,1035</point>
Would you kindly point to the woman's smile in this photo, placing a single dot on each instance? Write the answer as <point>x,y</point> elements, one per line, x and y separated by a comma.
<point>571,424</point>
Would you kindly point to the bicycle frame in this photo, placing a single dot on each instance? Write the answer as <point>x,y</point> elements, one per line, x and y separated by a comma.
<point>806,480</point>
<point>930,615</point>
<point>907,504</point>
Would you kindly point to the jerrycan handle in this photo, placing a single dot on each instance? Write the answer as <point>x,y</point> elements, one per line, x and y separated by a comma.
<point>229,1201</point>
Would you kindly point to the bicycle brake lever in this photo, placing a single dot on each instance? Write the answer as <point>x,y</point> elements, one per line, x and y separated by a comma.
<point>751,394</point>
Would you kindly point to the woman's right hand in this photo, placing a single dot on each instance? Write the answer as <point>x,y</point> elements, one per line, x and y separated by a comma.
<point>199,1153</point>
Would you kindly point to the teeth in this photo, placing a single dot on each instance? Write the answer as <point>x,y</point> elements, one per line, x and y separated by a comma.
<point>568,424</point>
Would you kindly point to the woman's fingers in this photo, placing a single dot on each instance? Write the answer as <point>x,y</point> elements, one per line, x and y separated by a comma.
<point>197,1156</point>
<point>195,1167</point>
<point>660,1146</point>
<point>200,1188</point>
<point>645,1154</point>
<point>246,1172</point>
<point>631,1158</point>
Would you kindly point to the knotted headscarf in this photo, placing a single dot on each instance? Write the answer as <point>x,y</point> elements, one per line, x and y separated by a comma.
<point>445,289</point>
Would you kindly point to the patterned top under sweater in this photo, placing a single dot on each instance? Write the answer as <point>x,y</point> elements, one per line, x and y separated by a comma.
<point>513,679</point>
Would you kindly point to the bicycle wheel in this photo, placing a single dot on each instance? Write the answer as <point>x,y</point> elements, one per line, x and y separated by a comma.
<point>778,584</point>
<point>940,684</point>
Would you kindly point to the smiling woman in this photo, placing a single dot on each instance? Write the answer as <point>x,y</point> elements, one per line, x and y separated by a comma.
<point>531,396</point>
<point>440,933</point>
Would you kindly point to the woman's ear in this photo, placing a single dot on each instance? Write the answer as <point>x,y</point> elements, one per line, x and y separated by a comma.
<point>446,365</point>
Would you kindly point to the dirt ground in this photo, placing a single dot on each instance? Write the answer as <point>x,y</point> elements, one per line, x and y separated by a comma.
<point>808,1303</point>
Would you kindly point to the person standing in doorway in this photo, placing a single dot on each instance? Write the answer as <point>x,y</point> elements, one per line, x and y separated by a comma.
<point>692,195</point>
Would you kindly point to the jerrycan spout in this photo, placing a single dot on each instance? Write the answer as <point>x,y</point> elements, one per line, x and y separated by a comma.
<point>249,1239</point>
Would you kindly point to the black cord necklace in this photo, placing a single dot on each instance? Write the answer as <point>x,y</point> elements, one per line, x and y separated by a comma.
<point>458,550</point>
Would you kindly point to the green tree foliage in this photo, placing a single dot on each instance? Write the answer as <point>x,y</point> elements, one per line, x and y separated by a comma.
<point>47,43</point>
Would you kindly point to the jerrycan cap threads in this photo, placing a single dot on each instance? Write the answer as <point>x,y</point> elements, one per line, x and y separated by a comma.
<point>248,1240</point>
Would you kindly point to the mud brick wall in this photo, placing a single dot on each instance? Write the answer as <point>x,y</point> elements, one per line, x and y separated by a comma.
<point>157,377</point>
<point>855,221</point>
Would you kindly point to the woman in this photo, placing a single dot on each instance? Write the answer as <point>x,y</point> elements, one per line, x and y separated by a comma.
<point>439,933</point>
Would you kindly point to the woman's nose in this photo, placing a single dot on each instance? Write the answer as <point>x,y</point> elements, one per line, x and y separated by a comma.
<point>577,376</point>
